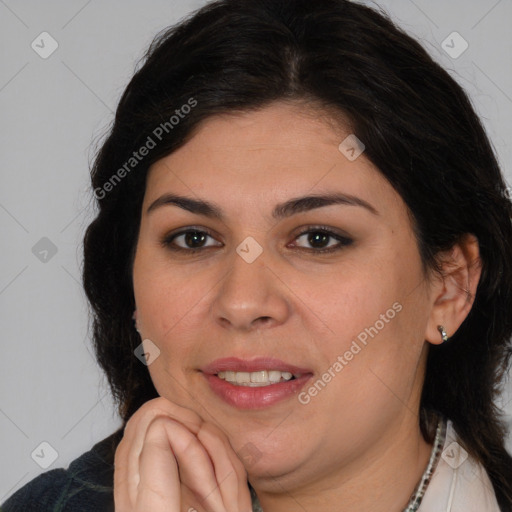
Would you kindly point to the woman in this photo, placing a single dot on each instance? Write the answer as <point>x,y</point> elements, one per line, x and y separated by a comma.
<point>300,276</point>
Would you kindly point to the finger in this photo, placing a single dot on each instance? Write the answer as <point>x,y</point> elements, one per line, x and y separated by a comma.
<point>196,472</point>
<point>159,489</point>
<point>160,406</point>
<point>229,470</point>
<point>135,434</point>
<point>124,498</point>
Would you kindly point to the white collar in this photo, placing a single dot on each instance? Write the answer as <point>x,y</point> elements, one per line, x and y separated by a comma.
<point>459,483</point>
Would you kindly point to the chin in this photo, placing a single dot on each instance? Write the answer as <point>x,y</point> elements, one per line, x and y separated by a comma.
<point>263,462</point>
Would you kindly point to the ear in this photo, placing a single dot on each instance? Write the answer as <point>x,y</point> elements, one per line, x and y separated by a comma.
<point>453,292</point>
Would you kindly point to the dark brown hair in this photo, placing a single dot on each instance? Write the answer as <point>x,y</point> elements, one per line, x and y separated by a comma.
<point>420,131</point>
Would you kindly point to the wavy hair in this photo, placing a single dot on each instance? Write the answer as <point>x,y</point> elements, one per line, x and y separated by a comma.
<point>420,131</point>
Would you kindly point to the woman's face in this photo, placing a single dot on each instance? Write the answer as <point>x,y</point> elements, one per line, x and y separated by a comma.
<point>351,320</point>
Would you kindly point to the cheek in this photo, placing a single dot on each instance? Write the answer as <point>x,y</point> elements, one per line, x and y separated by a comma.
<point>355,303</point>
<point>375,363</point>
<point>375,324</point>
<point>167,303</point>
<point>166,298</point>
<point>371,377</point>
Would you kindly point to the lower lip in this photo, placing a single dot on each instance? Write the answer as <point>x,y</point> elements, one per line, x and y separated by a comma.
<point>246,397</point>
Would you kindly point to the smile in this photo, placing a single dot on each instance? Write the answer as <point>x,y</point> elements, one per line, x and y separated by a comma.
<point>256,379</point>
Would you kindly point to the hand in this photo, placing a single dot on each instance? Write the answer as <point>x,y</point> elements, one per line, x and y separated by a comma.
<point>170,460</point>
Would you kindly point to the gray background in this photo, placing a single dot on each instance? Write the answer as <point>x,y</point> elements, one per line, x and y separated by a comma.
<point>52,110</point>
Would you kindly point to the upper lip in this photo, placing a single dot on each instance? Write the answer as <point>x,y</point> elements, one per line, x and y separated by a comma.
<point>253,365</point>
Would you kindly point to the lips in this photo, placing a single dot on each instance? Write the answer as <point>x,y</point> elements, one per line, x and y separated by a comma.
<point>245,397</point>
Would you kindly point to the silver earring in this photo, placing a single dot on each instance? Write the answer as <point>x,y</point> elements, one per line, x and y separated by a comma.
<point>444,335</point>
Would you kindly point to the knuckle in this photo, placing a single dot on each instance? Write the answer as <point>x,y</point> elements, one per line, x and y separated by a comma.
<point>209,432</point>
<point>159,423</point>
<point>157,429</point>
<point>164,407</point>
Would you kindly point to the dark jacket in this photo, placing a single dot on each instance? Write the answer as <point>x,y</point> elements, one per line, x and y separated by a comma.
<point>86,486</point>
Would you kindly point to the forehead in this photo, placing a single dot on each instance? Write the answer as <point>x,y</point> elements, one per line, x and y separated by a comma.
<point>274,153</point>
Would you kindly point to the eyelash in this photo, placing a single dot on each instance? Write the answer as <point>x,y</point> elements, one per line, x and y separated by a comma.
<point>344,241</point>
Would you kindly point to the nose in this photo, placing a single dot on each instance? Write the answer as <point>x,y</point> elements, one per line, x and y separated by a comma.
<point>251,296</point>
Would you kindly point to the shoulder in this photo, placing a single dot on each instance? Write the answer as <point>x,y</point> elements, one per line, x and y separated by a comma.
<point>86,485</point>
<point>459,482</point>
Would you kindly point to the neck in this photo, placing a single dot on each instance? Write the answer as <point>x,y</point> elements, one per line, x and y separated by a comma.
<point>381,480</point>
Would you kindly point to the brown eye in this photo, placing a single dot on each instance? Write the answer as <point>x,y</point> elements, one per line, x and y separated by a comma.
<point>190,240</point>
<point>324,240</point>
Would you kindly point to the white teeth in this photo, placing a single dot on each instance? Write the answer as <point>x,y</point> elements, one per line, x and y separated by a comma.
<point>274,376</point>
<point>242,377</point>
<point>255,379</point>
<point>259,376</point>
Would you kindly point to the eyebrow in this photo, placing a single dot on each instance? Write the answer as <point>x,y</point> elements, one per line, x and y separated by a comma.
<point>281,211</point>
